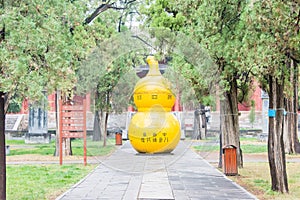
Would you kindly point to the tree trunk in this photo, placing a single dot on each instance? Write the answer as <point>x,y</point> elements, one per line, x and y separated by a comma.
<point>294,134</point>
<point>57,136</point>
<point>105,114</point>
<point>2,130</point>
<point>103,120</point>
<point>204,125</point>
<point>220,150</point>
<point>97,121</point>
<point>276,153</point>
<point>2,148</point>
<point>200,125</point>
<point>290,136</point>
<point>230,121</point>
<point>67,146</point>
<point>97,131</point>
<point>288,127</point>
<point>197,125</point>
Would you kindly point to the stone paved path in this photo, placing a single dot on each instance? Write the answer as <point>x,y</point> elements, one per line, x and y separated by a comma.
<point>181,175</point>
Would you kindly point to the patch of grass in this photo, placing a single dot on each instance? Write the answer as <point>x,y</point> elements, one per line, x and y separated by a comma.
<point>251,148</point>
<point>261,183</point>
<point>17,142</point>
<point>252,139</point>
<point>18,147</point>
<point>42,181</point>
<point>206,148</point>
<point>94,148</point>
<point>41,150</point>
<point>246,148</point>
<point>255,177</point>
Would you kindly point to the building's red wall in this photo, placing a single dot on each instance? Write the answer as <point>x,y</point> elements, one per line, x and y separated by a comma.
<point>24,108</point>
<point>177,106</point>
<point>256,96</point>
<point>51,102</point>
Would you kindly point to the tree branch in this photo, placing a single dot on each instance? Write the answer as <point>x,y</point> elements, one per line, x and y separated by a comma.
<point>2,34</point>
<point>7,98</point>
<point>293,57</point>
<point>104,7</point>
<point>135,36</point>
<point>98,11</point>
<point>297,23</point>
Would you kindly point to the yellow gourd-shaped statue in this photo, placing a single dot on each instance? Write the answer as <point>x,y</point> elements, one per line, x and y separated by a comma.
<point>154,129</point>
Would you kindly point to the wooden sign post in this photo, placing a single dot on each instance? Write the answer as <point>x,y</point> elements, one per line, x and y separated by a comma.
<point>72,122</point>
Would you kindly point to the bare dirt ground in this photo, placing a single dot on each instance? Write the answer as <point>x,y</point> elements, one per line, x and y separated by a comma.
<point>38,159</point>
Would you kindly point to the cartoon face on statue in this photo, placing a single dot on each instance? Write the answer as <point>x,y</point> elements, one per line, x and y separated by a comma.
<point>154,129</point>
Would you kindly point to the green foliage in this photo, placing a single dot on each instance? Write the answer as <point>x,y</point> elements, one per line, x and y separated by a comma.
<point>112,78</point>
<point>217,27</point>
<point>122,94</point>
<point>42,46</point>
<point>163,13</point>
<point>187,80</point>
<point>14,107</point>
<point>190,67</point>
<point>271,38</point>
<point>106,66</point>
